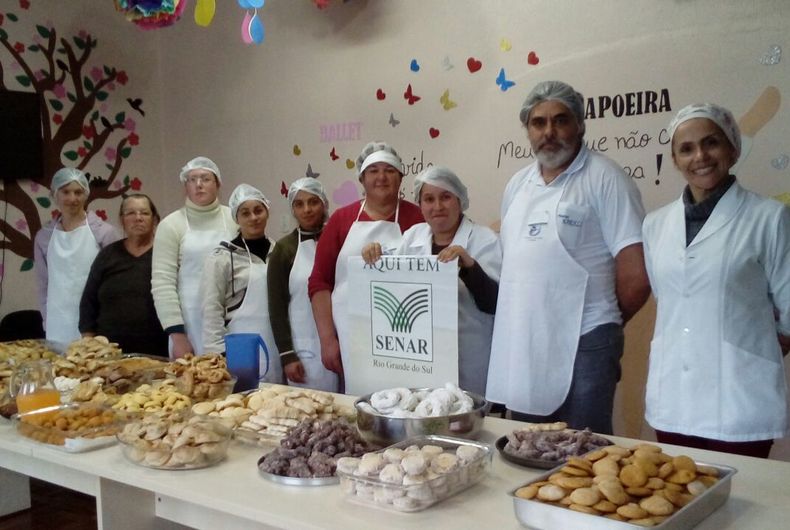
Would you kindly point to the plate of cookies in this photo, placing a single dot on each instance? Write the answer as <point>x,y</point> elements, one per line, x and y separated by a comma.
<point>544,445</point>
<point>620,488</point>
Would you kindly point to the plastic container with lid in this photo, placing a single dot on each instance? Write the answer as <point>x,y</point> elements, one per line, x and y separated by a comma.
<point>400,488</point>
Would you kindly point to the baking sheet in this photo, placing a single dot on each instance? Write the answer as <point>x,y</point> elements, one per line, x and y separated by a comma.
<point>542,516</point>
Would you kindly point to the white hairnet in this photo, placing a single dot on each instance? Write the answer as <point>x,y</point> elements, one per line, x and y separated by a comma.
<point>441,177</point>
<point>554,91</point>
<point>66,175</point>
<point>200,162</point>
<point>718,115</point>
<point>244,193</point>
<point>310,185</point>
<point>378,152</point>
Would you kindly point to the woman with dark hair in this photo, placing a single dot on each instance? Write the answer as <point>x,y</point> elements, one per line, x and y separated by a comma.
<point>717,257</point>
<point>117,301</point>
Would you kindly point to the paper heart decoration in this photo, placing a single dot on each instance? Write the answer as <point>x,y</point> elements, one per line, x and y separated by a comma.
<point>473,64</point>
<point>297,151</point>
<point>346,193</point>
<point>533,58</point>
<point>380,95</point>
<point>780,162</point>
<point>433,132</point>
<point>414,66</point>
<point>349,163</point>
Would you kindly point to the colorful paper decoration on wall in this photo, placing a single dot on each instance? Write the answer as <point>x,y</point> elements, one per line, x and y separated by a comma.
<point>251,24</point>
<point>152,14</point>
<point>204,12</point>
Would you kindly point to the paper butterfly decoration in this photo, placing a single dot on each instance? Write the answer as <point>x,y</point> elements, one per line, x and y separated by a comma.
<point>393,121</point>
<point>310,173</point>
<point>333,154</point>
<point>447,104</point>
<point>283,189</point>
<point>503,82</point>
<point>410,97</point>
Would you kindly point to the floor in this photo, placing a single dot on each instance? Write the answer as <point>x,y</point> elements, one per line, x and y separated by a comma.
<point>53,508</point>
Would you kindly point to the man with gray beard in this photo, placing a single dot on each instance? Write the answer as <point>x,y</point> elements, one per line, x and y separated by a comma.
<point>573,272</point>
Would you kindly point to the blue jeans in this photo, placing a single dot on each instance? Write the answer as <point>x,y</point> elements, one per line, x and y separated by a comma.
<point>596,371</point>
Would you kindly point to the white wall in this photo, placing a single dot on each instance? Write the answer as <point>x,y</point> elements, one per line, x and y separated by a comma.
<point>248,106</point>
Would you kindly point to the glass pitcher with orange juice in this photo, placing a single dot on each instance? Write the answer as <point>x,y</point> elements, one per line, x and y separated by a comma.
<point>33,387</point>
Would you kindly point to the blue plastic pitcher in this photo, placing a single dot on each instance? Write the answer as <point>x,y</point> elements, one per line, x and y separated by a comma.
<point>242,352</point>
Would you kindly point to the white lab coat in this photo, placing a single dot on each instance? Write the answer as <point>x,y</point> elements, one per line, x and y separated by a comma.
<point>474,326</point>
<point>716,368</point>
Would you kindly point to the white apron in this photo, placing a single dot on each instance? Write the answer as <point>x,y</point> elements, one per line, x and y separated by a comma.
<point>539,310</point>
<point>389,235</point>
<point>69,258</point>
<point>474,326</point>
<point>304,333</point>
<point>195,246</point>
<point>253,317</point>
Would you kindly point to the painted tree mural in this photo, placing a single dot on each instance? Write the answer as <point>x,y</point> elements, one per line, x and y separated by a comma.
<point>79,127</point>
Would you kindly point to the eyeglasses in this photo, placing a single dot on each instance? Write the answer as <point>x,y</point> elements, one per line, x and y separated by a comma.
<point>200,179</point>
<point>141,213</point>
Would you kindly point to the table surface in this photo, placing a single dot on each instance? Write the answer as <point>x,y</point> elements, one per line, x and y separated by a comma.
<point>758,499</point>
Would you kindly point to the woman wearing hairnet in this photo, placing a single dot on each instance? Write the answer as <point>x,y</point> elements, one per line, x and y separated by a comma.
<point>290,311</point>
<point>449,234</point>
<point>233,284</point>
<point>718,260</point>
<point>63,253</point>
<point>183,240</point>
<point>381,216</point>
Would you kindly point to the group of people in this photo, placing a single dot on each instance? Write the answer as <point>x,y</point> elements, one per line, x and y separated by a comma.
<point>541,305</point>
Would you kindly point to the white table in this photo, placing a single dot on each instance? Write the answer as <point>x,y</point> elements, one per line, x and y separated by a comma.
<point>233,495</point>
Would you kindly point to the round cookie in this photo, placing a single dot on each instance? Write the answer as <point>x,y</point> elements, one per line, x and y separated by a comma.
<point>657,505</point>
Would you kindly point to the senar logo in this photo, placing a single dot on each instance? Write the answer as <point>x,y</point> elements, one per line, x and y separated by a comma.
<point>402,320</point>
<point>401,314</point>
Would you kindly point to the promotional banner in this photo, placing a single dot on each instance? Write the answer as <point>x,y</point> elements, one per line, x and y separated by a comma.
<point>403,317</point>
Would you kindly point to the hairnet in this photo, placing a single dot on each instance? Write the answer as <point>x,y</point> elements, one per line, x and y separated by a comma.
<point>378,152</point>
<point>244,193</point>
<point>441,177</point>
<point>200,162</point>
<point>65,175</point>
<point>554,91</point>
<point>310,185</point>
<point>718,115</point>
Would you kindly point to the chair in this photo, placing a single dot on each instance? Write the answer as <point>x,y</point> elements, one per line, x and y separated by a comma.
<point>24,324</point>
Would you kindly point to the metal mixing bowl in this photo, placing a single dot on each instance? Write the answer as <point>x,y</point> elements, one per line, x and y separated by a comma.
<point>384,431</point>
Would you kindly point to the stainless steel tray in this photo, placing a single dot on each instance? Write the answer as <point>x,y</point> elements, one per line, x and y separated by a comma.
<point>542,516</point>
<point>295,481</point>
